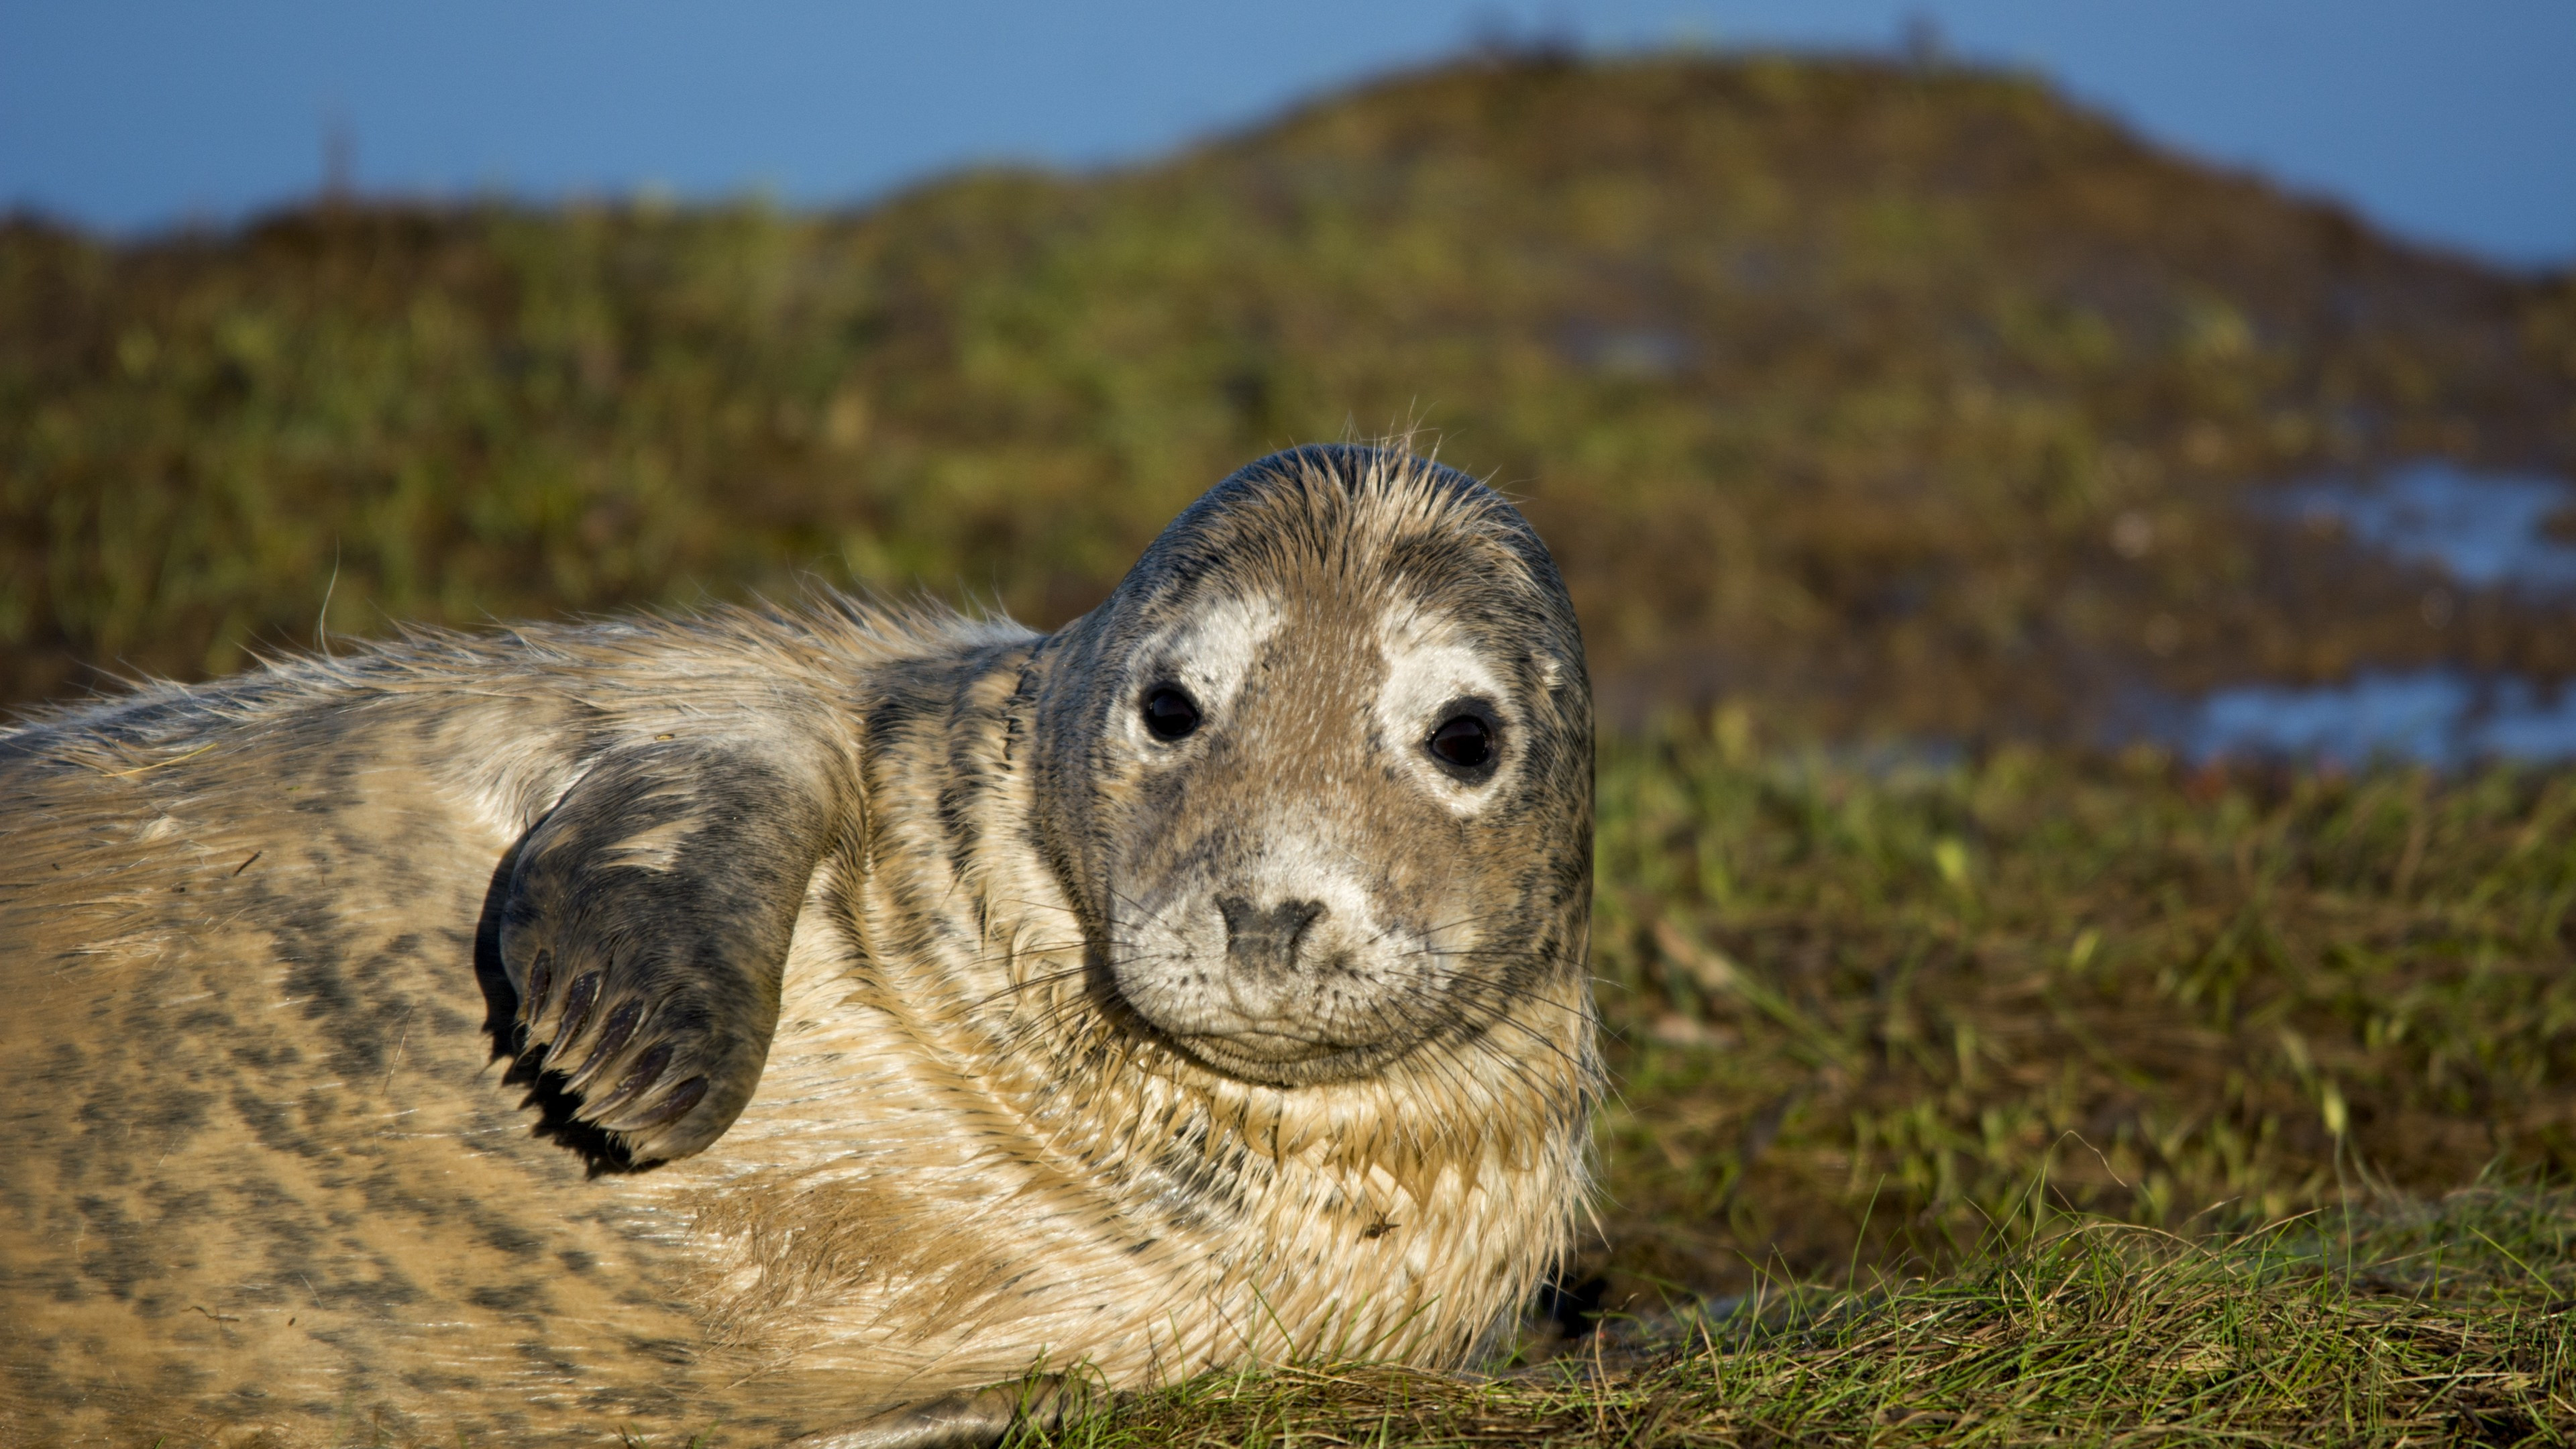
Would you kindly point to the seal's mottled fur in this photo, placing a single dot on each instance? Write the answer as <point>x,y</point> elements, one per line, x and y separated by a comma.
<point>798,1020</point>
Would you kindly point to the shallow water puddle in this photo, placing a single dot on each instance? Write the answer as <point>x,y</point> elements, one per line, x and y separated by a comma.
<point>2437,716</point>
<point>2486,530</point>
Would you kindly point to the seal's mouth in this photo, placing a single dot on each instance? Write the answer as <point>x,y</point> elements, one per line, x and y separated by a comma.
<point>1284,1059</point>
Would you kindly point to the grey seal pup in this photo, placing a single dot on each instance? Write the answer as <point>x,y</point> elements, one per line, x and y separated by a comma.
<point>842,1024</point>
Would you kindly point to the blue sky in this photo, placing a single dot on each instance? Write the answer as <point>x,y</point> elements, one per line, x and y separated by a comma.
<point>2448,121</point>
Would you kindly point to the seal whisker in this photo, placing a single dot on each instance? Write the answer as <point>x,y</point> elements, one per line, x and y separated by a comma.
<point>1455,1045</point>
<point>1492,1015</point>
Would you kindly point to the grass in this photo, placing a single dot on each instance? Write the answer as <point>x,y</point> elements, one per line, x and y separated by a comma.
<point>2429,1326</point>
<point>1877,1005</point>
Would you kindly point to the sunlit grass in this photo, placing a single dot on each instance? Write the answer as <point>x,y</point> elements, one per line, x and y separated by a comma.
<point>2443,1324</point>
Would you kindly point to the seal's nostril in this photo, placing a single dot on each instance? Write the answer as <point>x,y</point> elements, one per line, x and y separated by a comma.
<point>1294,917</point>
<point>1266,939</point>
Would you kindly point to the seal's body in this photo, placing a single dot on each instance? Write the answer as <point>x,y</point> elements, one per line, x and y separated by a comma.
<point>795,1023</point>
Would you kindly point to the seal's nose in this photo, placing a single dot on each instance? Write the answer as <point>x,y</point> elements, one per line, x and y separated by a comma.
<point>1265,941</point>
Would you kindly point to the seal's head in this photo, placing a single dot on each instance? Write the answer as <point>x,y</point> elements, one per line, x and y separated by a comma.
<point>1321,770</point>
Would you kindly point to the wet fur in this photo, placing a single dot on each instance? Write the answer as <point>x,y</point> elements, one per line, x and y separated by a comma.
<point>284,1156</point>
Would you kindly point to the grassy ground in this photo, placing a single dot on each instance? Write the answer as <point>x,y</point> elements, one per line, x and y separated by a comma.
<point>2445,1324</point>
<point>1880,1005</point>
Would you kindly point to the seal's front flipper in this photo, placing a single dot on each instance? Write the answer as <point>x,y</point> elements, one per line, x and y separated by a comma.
<point>646,931</point>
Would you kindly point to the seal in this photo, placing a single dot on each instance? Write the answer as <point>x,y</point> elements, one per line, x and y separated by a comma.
<point>837,1023</point>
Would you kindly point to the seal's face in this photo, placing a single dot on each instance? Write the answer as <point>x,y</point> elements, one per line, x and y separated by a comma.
<point>1339,746</point>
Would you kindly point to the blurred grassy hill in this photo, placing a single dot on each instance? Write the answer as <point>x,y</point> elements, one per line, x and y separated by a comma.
<point>1833,383</point>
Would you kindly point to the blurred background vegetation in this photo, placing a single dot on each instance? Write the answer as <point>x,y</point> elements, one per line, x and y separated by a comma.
<point>1860,400</point>
<point>1901,399</point>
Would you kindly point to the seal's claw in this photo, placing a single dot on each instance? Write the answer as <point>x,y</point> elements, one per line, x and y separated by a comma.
<point>665,1126</point>
<point>646,1071</point>
<point>538,993</point>
<point>645,931</point>
<point>614,1032</point>
<point>576,1012</point>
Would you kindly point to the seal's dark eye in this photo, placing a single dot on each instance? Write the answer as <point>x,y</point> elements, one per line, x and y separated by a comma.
<point>1170,714</point>
<point>1463,742</point>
